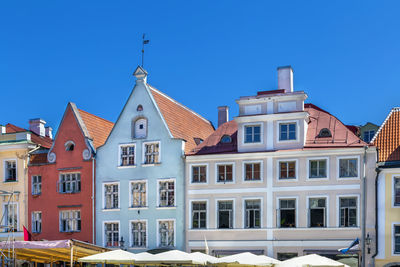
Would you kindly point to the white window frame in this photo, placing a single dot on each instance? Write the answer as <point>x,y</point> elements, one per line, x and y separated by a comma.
<point>4,208</point>
<point>104,233</point>
<point>327,225</point>
<point>338,167</point>
<point>261,124</point>
<point>134,155</point>
<point>327,169</point>
<point>278,131</point>
<point>33,219</point>
<point>144,164</point>
<point>104,197</point>
<point>278,215</point>
<point>191,211</point>
<point>244,199</point>
<point>71,181</point>
<point>191,173</point>
<point>371,137</point>
<point>32,185</point>
<point>131,197</point>
<point>233,214</point>
<point>69,219</point>
<point>233,172</point>
<point>338,197</point>
<point>244,171</point>
<point>136,120</point>
<point>393,191</point>
<point>278,170</point>
<point>393,238</point>
<point>131,234</point>
<point>158,193</point>
<point>158,231</point>
<point>16,170</point>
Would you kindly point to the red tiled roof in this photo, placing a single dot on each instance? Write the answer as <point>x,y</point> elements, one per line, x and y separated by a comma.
<point>44,141</point>
<point>387,139</point>
<point>98,128</point>
<point>354,129</point>
<point>182,122</point>
<point>40,158</point>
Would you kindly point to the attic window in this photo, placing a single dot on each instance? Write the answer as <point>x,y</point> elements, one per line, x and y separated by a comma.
<point>140,128</point>
<point>139,108</point>
<point>226,139</point>
<point>198,141</point>
<point>69,146</point>
<point>325,132</point>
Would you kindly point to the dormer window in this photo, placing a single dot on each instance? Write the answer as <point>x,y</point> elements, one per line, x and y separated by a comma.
<point>252,134</point>
<point>139,108</point>
<point>325,132</point>
<point>226,139</point>
<point>287,131</point>
<point>69,146</point>
<point>140,128</point>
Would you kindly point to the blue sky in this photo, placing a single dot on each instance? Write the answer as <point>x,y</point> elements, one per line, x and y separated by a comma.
<point>345,54</point>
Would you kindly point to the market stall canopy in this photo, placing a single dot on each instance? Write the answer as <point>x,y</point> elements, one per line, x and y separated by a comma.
<point>207,259</point>
<point>247,258</point>
<point>49,251</point>
<point>171,257</point>
<point>312,260</point>
<point>111,257</point>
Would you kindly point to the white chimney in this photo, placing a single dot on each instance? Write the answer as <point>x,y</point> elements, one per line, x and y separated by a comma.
<point>37,126</point>
<point>223,115</point>
<point>285,78</point>
<point>2,129</point>
<point>49,132</point>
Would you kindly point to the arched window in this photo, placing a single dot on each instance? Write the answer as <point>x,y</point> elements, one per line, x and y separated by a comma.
<point>226,139</point>
<point>325,132</point>
<point>139,108</point>
<point>69,146</point>
<point>140,128</point>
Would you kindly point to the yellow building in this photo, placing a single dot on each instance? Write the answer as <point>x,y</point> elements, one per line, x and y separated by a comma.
<point>16,144</point>
<point>387,141</point>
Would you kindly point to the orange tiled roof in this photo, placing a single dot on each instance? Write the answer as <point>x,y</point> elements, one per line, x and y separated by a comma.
<point>98,128</point>
<point>44,141</point>
<point>40,158</point>
<point>182,122</point>
<point>387,139</point>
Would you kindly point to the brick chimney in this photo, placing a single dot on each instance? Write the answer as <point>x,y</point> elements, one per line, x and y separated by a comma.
<point>37,126</point>
<point>223,115</point>
<point>49,132</point>
<point>285,78</point>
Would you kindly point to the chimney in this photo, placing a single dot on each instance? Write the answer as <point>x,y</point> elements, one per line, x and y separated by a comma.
<point>2,129</point>
<point>285,78</point>
<point>37,126</point>
<point>223,115</point>
<point>49,132</point>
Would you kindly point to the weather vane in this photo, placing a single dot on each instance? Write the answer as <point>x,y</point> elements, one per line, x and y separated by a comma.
<point>144,42</point>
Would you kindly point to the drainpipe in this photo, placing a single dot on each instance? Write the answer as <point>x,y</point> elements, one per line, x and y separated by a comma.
<point>364,191</point>
<point>378,170</point>
<point>93,212</point>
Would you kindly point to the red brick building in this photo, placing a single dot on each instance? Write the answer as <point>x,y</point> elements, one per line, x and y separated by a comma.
<point>62,179</point>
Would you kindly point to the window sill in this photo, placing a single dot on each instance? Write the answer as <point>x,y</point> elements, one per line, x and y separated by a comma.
<point>70,232</point>
<point>166,207</point>
<point>111,209</point>
<point>10,181</point>
<point>252,181</point>
<point>317,178</point>
<point>225,182</point>
<point>70,193</point>
<point>348,178</point>
<point>287,179</point>
<point>138,247</point>
<point>150,164</point>
<point>126,167</point>
<point>198,182</point>
<point>36,195</point>
<point>139,208</point>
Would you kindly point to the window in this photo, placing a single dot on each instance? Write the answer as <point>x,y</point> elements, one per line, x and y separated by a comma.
<point>348,211</point>
<point>317,212</point>
<point>70,221</point>
<point>10,217</point>
<point>166,234</point>
<point>226,139</point>
<point>199,214</point>
<point>151,154</point>
<point>287,170</point>
<point>325,132</point>
<point>138,194</point>
<point>199,174</point>
<point>225,214</point>
<point>36,222</point>
<point>396,239</point>
<point>252,134</point>
<point>348,168</point>
<point>253,211</point>
<point>225,173</point>
<point>368,135</point>
<point>139,235</point>
<point>127,155</point>
<point>10,168</point>
<point>167,193</point>
<point>69,146</point>
<point>111,232</point>
<point>252,171</point>
<point>286,256</point>
<point>287,213</point>
<point>396,191</point>
<point>111,196</point>
<point>287,131</point>
<point>36,185</point>
<point>318,168</point>
<point>70,183</point>
<point>140,128</point>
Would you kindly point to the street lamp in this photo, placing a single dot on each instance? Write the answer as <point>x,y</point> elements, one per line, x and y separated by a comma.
<point>121,243</point>
<point>368,242</point>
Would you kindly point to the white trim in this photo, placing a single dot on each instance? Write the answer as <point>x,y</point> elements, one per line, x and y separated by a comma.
<point>308,178</point>
<point>191,173</point>
<point>338,197</point>
<point>243,128</point>
<point>381,210</point>
<point>131,235</point>
<point>233,172</point>
<point>4,208</point>
<point>16,170</point>
<point>393,192</point>
<point>278,131</point>
<point>144,151</point>
<point>300,115</point>
<point>158,193</point>
<point>261,199</point>
<point>233,213</point>
<point>278,161</point>
<point>158,231</point>
<point>191,210</point>
<point>338,158</point>
<point>392,237</point>
<point>103,195</point>
<point>130,194</point>
<point>134,155</point>
<point>270,135</point>
<point>296,198</point>
<point>270,199</point>
<point>244,162</point>
<point>327,225</point>
<point>383,124</point>
<point>104,233</point>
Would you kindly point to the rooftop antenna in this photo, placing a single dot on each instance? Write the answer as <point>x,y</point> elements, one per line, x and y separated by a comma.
<point>144,42</point>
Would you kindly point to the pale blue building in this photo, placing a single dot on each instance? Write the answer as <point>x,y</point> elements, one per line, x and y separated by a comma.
<point>140,171</point>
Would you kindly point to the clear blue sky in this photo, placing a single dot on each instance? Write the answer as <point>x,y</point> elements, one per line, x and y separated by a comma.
<point>345,54</point>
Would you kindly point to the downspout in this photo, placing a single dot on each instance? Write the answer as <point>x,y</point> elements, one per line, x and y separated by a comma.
<point>378,170</point>
<point>93,208</point>
<point>364,211</point>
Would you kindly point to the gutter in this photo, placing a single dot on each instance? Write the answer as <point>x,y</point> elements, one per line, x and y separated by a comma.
<point>378,170</point>
<point>93,208</point>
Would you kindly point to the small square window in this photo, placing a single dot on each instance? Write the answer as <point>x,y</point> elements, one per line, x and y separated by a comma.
<point>225,173</point>
<point>287,131</point>
<point>252,171</point>
<point>167,193</point>
<point>287,170</point>
<point>151,153</point>
<point>318,168</point>
<point>127,154</point>
<point>348,168</point>
<point>199,174</point>
<point>252,134</point>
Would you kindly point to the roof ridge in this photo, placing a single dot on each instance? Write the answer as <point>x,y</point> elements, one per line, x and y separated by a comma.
<point>95,115</point>
<point>176,102</point>
<point>395,109</point>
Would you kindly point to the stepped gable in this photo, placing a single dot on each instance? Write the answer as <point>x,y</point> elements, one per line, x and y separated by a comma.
<point>43,141</point>
<point>387,138</point>
<point>182,122</point>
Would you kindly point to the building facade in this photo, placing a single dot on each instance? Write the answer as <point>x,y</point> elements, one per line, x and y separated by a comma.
<point>62,178</point>
<point>140,171</point>
<point>388,191</point>
<point>282,179</point>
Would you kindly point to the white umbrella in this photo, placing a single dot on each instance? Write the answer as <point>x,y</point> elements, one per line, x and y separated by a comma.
<point>207,259</point>
<point>113,257</point>
<point>171,257</point>
<point>247,258</point>
<point>312,260</point>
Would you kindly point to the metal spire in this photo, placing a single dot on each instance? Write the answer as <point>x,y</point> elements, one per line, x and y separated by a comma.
<point>143,43</point>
